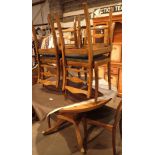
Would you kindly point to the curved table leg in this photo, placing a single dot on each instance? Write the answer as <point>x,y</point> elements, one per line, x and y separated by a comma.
<point>79,137</point>
<point>54,128</point>
<point>72,119</point>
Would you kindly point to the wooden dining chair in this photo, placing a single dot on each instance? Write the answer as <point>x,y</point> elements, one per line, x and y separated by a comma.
<point>48,58</point>
<point>82,59</point>
<point>91,119</point>
<point>102,49</point>
<point>73,114</point>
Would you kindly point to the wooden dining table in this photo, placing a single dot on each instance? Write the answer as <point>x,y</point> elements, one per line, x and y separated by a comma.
<point>51,106</point>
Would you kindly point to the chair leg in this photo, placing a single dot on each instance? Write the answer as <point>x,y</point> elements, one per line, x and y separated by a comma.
<point>64,78</point>
<point>79,137</point>
<point>79,75</point>
<point>57,74</point>
<point>109,74</point>
<point>84,122</point>
<point>114,140</point>
<point>55,127</point>
<point>96,82</point>
<point>90,78</point>
<point>120,126</point>
<point>85,74</point>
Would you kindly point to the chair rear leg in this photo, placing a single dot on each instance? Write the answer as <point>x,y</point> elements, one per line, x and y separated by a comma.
<point>114,140</point>
<point>109,74</point>
<point>64,78</point>
<point>85,74</point>
<point>57,75</point>
<point>84,122</point>
<point>120,126</point>
<point>96,82</point>
<point>90,79</point>
<point>79,75</point>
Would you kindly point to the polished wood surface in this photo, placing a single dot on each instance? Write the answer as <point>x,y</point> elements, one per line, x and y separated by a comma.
<point>73,115</point>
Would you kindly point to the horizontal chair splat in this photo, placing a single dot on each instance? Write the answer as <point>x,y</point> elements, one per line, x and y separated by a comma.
<point>47,82</point>
<point>100,124</point>
<point>48,74</point>
<point>48,66</point>
<point>47,51</point>
<point>98,35</point>
<point>76,90</point>
<point>75,79</point>
<point>77,70</point>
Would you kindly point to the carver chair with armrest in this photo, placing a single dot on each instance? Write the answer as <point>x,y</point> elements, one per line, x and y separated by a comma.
<point>91,119</point>
<point>48,58</point>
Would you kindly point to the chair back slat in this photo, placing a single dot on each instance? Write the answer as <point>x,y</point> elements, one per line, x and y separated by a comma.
<point>35,37</point>
<point>56,17</point>
<point>51,24</point>
<point>88,31</point>
<point>75,32</point>
<point>79,32</point>
<point>111,26</point>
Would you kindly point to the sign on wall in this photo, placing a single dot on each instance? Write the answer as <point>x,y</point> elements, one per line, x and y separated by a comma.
<point>105,10</point>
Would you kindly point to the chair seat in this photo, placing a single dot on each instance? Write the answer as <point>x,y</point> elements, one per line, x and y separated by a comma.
<point>85,59</point>
<point>82,53</point>
<point>47,56</point>
<point>45,59</point>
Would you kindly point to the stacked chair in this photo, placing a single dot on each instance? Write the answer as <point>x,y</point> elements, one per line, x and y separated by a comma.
<point>86,58</point>
<point>48,58</point>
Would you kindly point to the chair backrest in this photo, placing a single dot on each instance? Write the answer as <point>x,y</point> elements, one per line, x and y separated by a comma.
<point>50,20</point>
<point>110,25</point>
<point>75,32</point>
<point>51,24</point>
<point>79,34</point>
<point>62,42</point>
<point>35,38</point>
<point>88,31</point>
